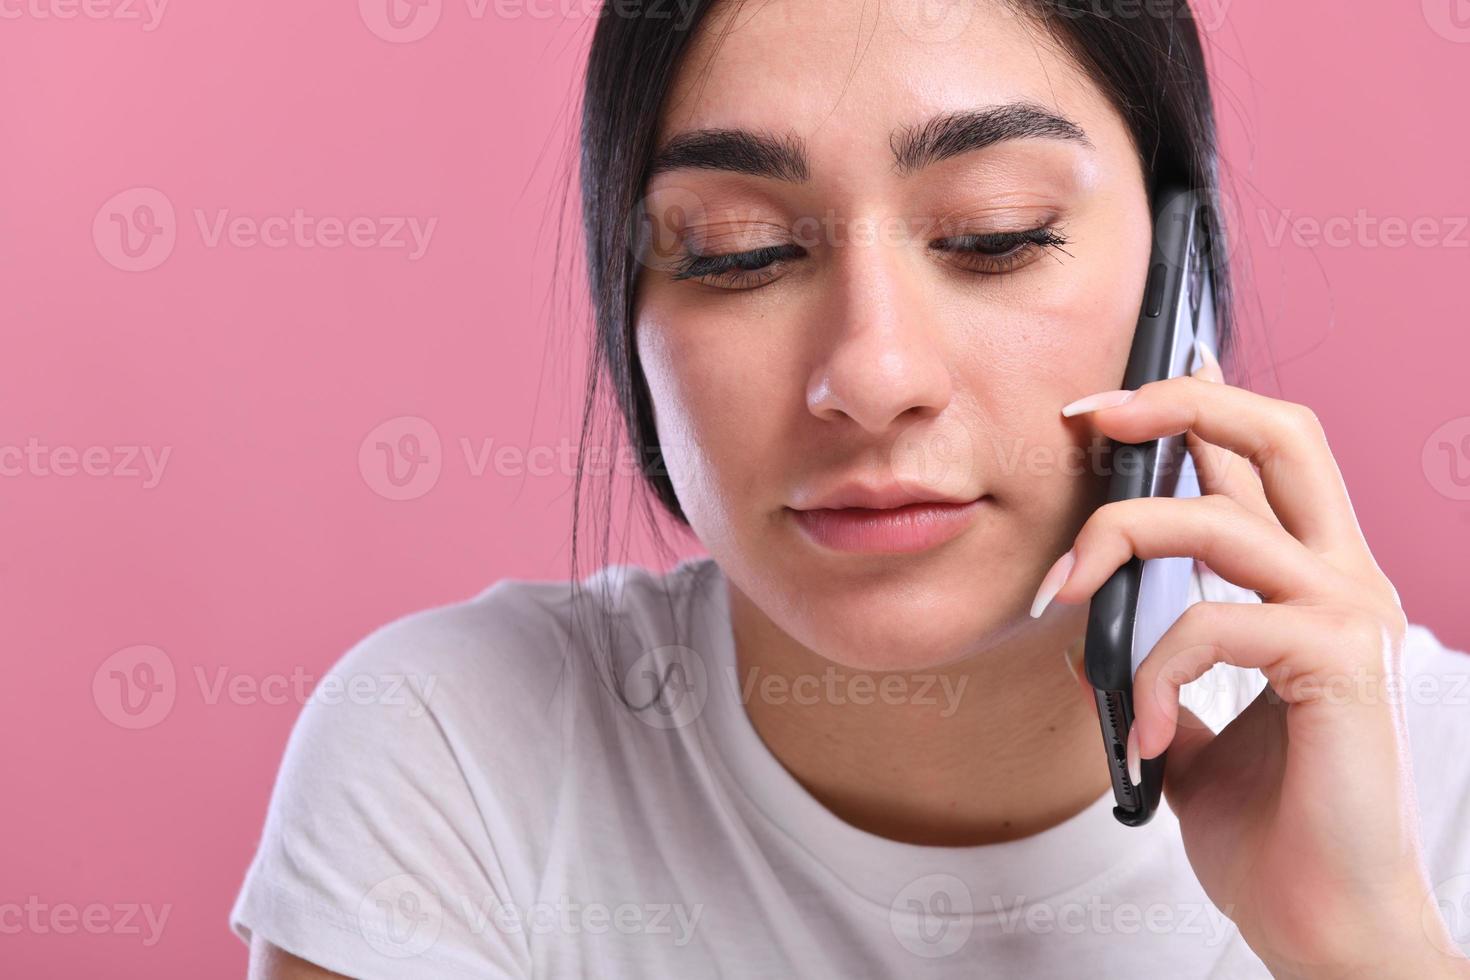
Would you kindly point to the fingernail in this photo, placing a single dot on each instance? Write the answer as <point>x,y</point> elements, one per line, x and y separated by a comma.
<point>1056,577</point>
<point>1135,767</point>
<point>1212,370</point>
<point>1103,399</point>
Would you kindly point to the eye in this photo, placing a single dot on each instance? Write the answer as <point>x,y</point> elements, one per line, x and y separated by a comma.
<point>737,270</point>
<point>999,252</point>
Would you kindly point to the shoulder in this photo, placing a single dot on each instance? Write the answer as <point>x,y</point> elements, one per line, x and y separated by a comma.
<point>489,695</point>
<point>501,679</point>
<point>430,757</point>
<point>508,642</point>
<point>395,790</point>
<point>527,626</point>
<point>514,622</point>
<point>507,676</point>
<point>490,684</point>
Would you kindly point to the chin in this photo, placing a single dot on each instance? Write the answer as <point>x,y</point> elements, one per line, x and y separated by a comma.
<point>891,634</point>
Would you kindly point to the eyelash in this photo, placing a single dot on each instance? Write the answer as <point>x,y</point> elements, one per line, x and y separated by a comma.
<point>1007,250</point>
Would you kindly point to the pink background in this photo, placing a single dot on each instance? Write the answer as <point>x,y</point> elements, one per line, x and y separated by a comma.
<point>271,542</point>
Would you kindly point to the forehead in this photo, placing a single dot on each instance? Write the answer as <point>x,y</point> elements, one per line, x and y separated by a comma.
<point>843,75</point>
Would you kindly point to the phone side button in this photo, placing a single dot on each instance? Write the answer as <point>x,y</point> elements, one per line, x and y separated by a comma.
<point>1153,303</point>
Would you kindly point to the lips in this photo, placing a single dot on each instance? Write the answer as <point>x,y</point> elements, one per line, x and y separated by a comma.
<point>885,520</point>
<point>876,497</point>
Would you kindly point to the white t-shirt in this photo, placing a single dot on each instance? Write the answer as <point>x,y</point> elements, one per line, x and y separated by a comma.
<point>500,813</point>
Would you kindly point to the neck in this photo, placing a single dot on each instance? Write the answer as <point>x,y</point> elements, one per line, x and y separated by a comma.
<point>1001,745</point>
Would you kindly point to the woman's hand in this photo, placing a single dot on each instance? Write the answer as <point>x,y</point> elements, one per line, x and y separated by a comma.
<point>1299,817</point>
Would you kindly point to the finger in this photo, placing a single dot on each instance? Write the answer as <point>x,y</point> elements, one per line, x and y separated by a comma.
<point>1308,653</point>
<point>1283,439</point>
<point>1191,736</point>
<point>1258,739</point>
<point>1229,474</point>
<point>1220,470</point>
<point>1236,544</point>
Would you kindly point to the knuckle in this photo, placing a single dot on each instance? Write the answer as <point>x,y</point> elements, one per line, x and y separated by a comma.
<point>1304,421</point>
<point>1197,632</point>
<point>1203,618</point>
<point>1360,635</point>
<point>1224,506</point>
<point>1227,521</point>
<point>1109,519</point>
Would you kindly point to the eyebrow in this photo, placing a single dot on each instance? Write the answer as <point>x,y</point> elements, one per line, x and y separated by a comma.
<point>946,135</point>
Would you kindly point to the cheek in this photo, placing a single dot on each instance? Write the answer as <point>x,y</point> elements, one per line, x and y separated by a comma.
<point>1072,336</point>
<point>1042,351</point>
<point>712,393</point>
<point>1066,339</point>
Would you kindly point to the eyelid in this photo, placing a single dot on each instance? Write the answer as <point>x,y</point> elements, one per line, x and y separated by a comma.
<point>710,269</point>
<point>1024,246</point>
<point>1045,234</point>
<point>981,252</point>
<point>730,235</point>
<point>1000,218</point>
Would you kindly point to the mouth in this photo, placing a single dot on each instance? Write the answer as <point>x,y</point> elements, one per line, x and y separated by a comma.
<point>906,529</point>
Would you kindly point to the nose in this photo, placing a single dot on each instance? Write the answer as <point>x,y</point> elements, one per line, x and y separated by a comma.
<point>882,355</point>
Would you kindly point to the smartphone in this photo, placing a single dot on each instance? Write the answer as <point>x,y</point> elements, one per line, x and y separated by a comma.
<point>1142,599</point>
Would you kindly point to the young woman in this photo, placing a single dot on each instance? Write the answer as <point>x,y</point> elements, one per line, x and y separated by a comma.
<point>864,282</point>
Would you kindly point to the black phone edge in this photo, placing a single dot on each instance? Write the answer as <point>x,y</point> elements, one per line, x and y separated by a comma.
<point>1108,650</point>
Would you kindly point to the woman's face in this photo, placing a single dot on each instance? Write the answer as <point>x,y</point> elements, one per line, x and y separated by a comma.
<point>886,346</point>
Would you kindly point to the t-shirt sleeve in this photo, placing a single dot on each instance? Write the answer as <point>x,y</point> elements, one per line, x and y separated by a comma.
<point>375,859</point>
<point>1437,705</point>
